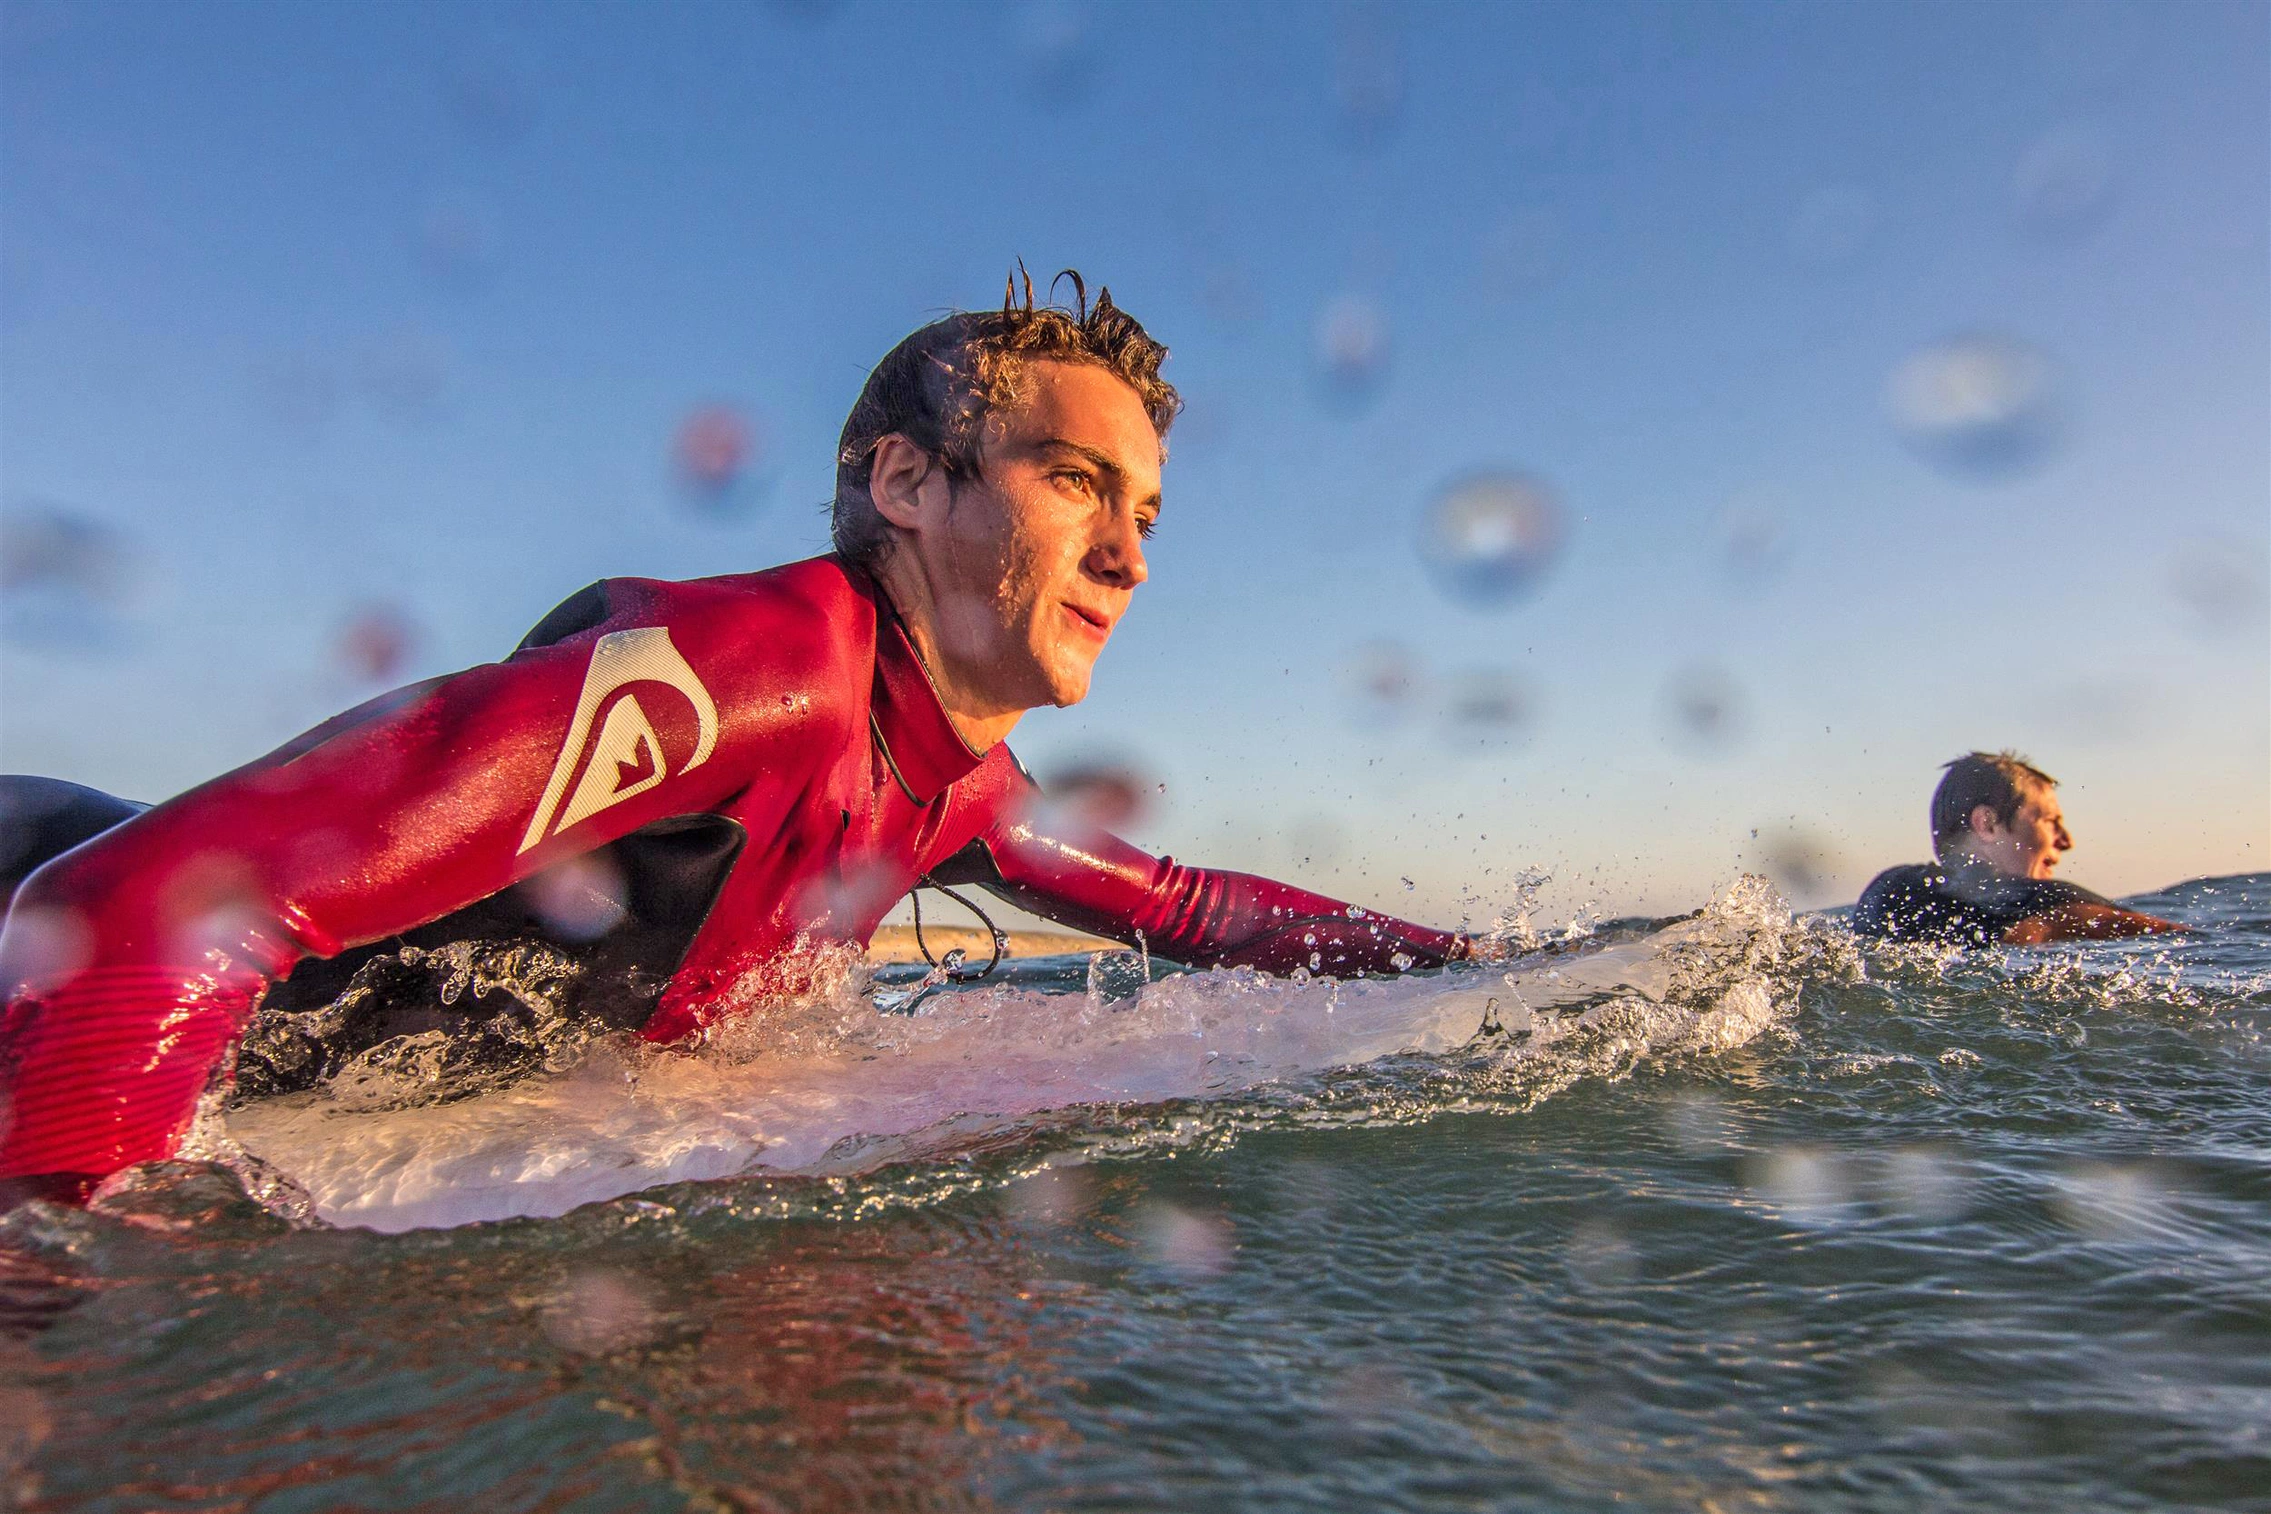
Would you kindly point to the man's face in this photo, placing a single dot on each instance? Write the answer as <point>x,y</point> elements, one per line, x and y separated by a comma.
<point>2029,847</point>
<point>1043,549</point>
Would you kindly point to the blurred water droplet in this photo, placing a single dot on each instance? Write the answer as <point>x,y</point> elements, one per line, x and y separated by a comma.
<point>407,375</point>
<point>1490,538</point>
<point>375,644</point>
<point>1754,541</point>
<point>1368,70</point>
<point>1921,1183</point>
<point>1979,406</point>
<point>2063,186</point>
<point>63,576</point>
<point>1704,706</point>
<point>1802,863</point>
<point>1834,226</point>
<point>1103,793</point>
<point>2118,1201</point>
<point>715,449</point>
<point>489,90</point>
<point>1351,348</point>
<point>1522,252</point>
<point>580,899</point>
<point>1485,705</point>
<point>1600,1256</point>
<point>455,239</point>
<point>1193,1247</point>
<point>1051,1197</point>
<point>45,948</point>
<point>1807,1186</point>
<point>1055,48</point>
<point>597,1310</point>
<point>1700,1123</point>
<point>1384,682</point>
<point>2221,583</point>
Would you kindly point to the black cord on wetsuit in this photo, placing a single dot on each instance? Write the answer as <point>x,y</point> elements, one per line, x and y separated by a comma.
<point>956,972</point>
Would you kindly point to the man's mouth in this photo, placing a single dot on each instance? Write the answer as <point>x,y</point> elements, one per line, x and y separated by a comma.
<point>1095,620</point>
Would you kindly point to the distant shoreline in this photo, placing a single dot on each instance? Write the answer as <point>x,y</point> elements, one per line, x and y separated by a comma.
<point>896,943</point>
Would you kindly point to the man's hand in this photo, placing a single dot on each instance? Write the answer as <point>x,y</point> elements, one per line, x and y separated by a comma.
<point>2089,922</point>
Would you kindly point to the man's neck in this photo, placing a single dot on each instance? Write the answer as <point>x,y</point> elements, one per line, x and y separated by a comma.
<point>980,722</point>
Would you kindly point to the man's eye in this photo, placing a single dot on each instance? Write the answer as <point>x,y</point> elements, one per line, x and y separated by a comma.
<point>1074,479</point>
<point>1145,526</point>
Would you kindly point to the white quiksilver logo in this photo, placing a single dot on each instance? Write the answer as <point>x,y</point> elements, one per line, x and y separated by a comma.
<point>627,759</point>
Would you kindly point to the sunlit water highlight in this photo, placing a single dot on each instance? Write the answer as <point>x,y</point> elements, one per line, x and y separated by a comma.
<point>1735,1215</point>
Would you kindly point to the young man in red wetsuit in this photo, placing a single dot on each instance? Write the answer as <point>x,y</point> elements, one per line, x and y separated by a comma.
<point>806,742</point>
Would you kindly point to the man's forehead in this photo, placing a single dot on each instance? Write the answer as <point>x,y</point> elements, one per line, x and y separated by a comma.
<point>1087,407</point>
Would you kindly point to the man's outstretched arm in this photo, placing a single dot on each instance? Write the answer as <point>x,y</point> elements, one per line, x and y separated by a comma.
<point>1094,881</point>
<point>2087,921</point>
<point>130,965</point>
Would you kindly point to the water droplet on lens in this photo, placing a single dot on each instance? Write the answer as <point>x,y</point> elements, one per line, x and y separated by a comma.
<point>1055,48</point>
<point>1490,538</point>
<point>1705,707</point>
<point>716,449</point>
<point>1979,407</point>
<point>1368,72</point>
<point>455,239</point>
<point>2063,186</point>
<point>1051,1197</point>
<point>1485,706</point>
<point>1806,1185</point>
<point>63,577</point>
<point>1191,1246</point>
<point>1351,349</point>
<point>580,899</point>
<point>597,1310</point>
<point>374,644</point>
<point>1801,862</point>
<point>2221,583</point>
<point>1383,680</point>
<point>1101,793</point>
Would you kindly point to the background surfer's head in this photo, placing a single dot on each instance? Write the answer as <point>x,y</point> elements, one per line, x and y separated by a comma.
<point>2001,810</point>
<point>938,387</point>
<point>998,477</point>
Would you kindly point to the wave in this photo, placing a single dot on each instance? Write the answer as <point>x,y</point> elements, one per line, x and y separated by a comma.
<point>830,1086</point>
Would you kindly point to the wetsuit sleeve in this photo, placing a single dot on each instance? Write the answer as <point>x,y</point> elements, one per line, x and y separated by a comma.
<point>1093,881</point>
<point>131,964</point>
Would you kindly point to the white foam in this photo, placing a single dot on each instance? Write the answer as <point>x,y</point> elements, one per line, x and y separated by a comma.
<point>629,1118</point>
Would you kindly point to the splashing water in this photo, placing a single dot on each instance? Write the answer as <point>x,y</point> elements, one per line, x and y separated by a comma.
<point>827,1084</point>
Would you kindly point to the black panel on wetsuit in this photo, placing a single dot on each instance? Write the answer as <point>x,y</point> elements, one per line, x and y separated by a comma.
<point>42,818</point>
<point>672,871</point>
<point>1923,902</point>
<point>580,611</point>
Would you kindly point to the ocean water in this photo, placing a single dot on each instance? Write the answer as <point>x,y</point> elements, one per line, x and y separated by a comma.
<point>1731,1214</point>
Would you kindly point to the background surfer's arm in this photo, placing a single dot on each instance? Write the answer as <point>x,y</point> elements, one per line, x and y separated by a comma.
<point>131,964</point>
<point>2088,922</point>
<point>1096,882</point>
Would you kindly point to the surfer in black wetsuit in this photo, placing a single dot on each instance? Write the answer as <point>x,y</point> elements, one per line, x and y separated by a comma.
<point>1998,831</point>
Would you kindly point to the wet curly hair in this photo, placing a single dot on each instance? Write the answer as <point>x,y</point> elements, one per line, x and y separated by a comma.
<point>937,387</point>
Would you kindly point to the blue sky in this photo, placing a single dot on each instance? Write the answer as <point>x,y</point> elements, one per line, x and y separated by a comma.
<point>311,308</point>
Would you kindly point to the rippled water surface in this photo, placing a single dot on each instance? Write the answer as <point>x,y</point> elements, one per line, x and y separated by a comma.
<point>1735,1215</point>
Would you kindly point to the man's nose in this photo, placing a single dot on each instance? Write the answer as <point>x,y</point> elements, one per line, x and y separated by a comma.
<point>2065,841</point>
<point>1118,559</point>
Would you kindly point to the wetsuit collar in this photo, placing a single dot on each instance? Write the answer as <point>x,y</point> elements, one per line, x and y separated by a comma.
<point>919,744</point>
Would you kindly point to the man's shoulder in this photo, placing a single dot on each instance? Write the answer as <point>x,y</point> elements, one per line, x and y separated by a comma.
<point>806,620</point>
<point>1904,902</point>
<point>1905,878</point>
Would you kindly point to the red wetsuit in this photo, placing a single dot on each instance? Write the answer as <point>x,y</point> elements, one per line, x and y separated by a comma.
<point>788,702</point>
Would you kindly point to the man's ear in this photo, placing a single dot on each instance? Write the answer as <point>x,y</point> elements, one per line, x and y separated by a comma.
<point>1984,823</point>
<point>906,483</point>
